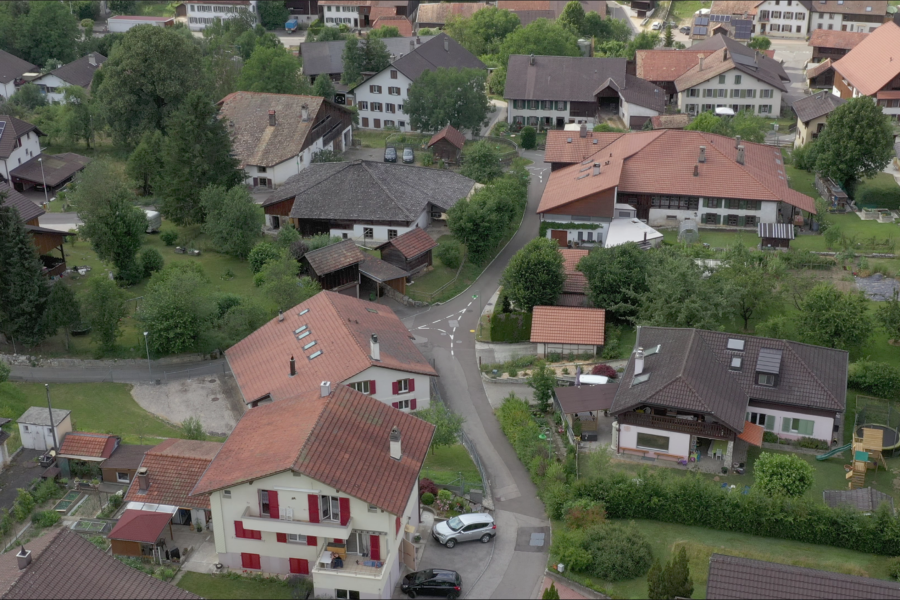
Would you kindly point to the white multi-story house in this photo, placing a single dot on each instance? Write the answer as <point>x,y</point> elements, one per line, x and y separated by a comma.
<point>771,18</point>
<point>77,73</point>
<point>333,337</point>
<point>275,136</point>
<point>323,484</point>
<point>199,14</point>
<point>358,14</point>
<point>869,69</point>
<point>18,144</point>
<point>861,16</point>
<point>380,98</point>
<point>11,70</point>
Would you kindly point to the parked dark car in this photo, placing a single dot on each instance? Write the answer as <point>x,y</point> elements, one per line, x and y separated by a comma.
<point>684,29</point>
<point>408,156</point>
<point>390,155</point>
<point>432,582</point>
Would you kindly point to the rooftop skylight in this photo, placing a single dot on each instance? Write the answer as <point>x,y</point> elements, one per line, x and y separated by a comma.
<point>653,350</point>
<point>303,335</point>
<point>640,379</point>
<point>303,312</point>
<point>735,344</point>
<point>315,354</point>
<point>309,345</point>
<point>300,329</point>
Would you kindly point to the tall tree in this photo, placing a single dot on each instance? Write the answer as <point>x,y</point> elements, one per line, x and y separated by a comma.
<point>354,62</point>
<point>273,70</point>
<point>708,122</point>
<point>572,17</point>
<point>23,288</point>
<point>760,42</point>
<point>447,424</point>
<point>605,30</point>
<point>678,296</point>
<point>483,32</point>
<point>196,153</point>
<point>47,31</point>
<point>28,97</point>
<point>482,162</point>
<point>385,31</point>
<point>617,278</point>
<point>542,37</point>
<point>273,14</point>
<point>835,319</point>
<point>233,220</point>
<point>324,87</point>
<point>148,74</point>
<point>678,576</point>
<point>888,316</point>
<point>115,227</point>
<point>375,55</point>
<point>103,306</point>
<point>669,40</point>
<point>751,284</point>
<point>281,285</point>
<point>478,223</point>
<point>750,127</point>
<point>177,308</point>
<point>857,142</point>
<point>542,380</point>
<point>63,309</point>
<point>79,113</point>
<point>535,275</point>
<point>145,163</point>
<point>454,96</point>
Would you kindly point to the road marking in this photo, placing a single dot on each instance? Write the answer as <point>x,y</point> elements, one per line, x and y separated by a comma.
<point>422,327</point>
<point>442,331</point>
<point>471,331</point>
<point>438,321</point>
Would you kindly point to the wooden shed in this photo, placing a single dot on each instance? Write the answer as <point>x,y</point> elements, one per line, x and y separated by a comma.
<point>336,267</point>
<point>447,145</point>
<point>137,531</point>
<point>775,235</point>
<point>410,252</point>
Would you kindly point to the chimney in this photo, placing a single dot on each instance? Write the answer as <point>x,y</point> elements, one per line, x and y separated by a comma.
<point>582,131</point>
<point>531,60</point>
<point>280,316</point>
<point>374,348</point>
<point>418,40</point>
<point>143,479</point>
<point>293,367</point>
<point>701,63</point>
<point>639,361</point>
<point>702,157</point>
<point>446,44</point>
<point>304,114</point>
<point>596,169</point>
<point>23,557</point>
<point>725,54</point>
<point>696,171</point>
<point>740,155</point>
<point>325,389</point>
<point>92,60</point>
<point>737,141</point>
<point>756,57</point>
<point>272,118</point>
<point>396,453</point>
<point>412,46</point>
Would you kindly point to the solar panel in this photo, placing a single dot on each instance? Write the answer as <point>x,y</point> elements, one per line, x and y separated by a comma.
<point>700,30</point>
<point>740,59</point>
<point>2,127</point>
<point>769,361</point>
<point>702,21</point>
<point>720,18</point>
<point>743,29</point>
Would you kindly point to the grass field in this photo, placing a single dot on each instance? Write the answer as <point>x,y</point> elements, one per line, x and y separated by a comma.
<point>217,587</point>
<point>682,11</point>
<point>447,464</point>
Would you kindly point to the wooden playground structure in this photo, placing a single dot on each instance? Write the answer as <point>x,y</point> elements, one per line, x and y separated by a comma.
<point>867,454</point>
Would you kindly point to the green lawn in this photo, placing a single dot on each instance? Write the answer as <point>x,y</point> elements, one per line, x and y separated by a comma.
<point>215,587</point>
<point>700,543</point>
<point>447,464</point>
<point>155,9</point>
<point>371,139</point>
<point>682,11</point>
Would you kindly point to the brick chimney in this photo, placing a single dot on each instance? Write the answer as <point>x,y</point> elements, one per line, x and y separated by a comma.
<point>271,118</point>
<point>696,171</point>
<point>143,476</point>
<point>396,452</point>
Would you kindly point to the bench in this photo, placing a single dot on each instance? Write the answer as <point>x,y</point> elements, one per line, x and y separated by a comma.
<point>635,451</point>
<point>670,457</point>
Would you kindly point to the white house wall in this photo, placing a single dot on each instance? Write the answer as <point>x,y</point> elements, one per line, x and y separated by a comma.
<point>284,170</point>
<point>40,437</point>
<point>362,94</point>
<point>201,16</point>
<point>384,378</point>
<point>628,110</point>
<point>7,89</point>
<point>523,114</point>
<point>783,7</point>
<point>51,82</point>
<point>838,21</point>
<point>123,25</point>
<point>335,15</point>
<point>30,148</point>
<point>748,82</point>
<point>379,232</point>
<point>600,232</point>
<point>823,428</point>
<point>660,217</point>
<point>679,443</point>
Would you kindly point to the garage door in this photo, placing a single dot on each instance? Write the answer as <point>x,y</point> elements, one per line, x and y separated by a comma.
<point>561,236</point>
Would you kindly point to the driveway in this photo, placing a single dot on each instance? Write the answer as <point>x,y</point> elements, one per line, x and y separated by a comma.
<point>19,474</point>
<point>794,54</point>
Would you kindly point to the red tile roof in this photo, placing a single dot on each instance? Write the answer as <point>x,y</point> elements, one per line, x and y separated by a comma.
<point>379,11</point>
<point>300,435</point>
<point>140,526</point>
<point>670,121</point>
<point>566,325</point>
<point>559,149</point>
<point>451,134</point>
<point>523,4</point>
<point>342,327</point>
<point>440,12</point>
<point>857,7</point>
<point>662,162</point>
<point>576,282</point>
<point>412,243</point>
<point>870,65</point>
<point>401,23</point>
<point>665,65</point>
<point>174,468</point>
<point>752,434</point>
<point>735,7</point>
<point>827,38</point>
<point>78,444</point>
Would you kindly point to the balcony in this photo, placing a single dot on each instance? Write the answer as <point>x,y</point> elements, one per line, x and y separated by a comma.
<point>698,428</point>
<point>350,568</point>
<point>325,529</point>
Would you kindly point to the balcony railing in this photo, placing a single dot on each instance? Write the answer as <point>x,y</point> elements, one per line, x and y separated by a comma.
<point>287,524</point>
<point>708,430</point>
<point>351,569</point>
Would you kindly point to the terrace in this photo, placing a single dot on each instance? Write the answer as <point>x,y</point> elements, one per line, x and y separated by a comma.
<point>677,424</point>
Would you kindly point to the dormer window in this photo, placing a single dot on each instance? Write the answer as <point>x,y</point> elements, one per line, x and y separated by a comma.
<point>766,379</point>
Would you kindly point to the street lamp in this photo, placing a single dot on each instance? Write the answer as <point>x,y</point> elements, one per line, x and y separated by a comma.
<point>43,180</point>
<point>149,367</point>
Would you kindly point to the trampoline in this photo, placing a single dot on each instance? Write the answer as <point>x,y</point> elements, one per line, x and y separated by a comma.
<point>891,443</point>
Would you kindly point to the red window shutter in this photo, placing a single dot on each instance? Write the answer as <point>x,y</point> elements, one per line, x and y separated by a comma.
<point>375,547</point>
<point>304,566</point>
<point>239,529</point>
<point>396,387</point>
<point>412,384</point>
<point>397,523</point>
<point>256,562</point>
<point>246,560</point>
<point>395,404</point>
<point>312,540</point>
<point>299,566</point>
<point>313,508</point>
<point>281,537</point>
<point>273,505</point>
<point>257,535</point>
<point>337,541</point>
<point>372,387</point>
<point>294,565</point>
<point>345,510</point>
<point>412,404</point>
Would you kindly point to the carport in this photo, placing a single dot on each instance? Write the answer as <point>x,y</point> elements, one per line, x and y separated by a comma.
<point>377,274</point>
<point>583,404</point>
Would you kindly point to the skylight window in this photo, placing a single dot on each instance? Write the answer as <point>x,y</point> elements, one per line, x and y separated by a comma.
<point>653,350</point>
<point>303,312</point>
<point>303,335</point>
<point>301,329</point>
<point>315,354</point>
<point>309,345</point>
<point>372,310</point>
<point>639,379</point>
<point>736,362</point>
<point>737,345</point>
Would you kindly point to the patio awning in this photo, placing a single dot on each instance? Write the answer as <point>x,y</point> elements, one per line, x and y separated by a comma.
<point>752,434</point>
<point>140,526</point>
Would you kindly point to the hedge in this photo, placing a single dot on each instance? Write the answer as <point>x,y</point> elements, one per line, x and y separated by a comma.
<point>511,327</point>
<point>545,225</point>
<point>876,378</point>
<point>878,193</point>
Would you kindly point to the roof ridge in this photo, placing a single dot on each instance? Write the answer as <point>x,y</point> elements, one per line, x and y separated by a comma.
<point>364,164</point>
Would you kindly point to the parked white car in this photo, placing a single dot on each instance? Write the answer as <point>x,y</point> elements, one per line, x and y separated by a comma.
<point>656,26</point>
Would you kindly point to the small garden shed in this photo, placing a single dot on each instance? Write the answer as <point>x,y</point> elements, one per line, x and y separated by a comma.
<point>410,252</point>
<point>447,145</point>
<point>568,330</point>
<point>336,267</point>
<point>775,235</point>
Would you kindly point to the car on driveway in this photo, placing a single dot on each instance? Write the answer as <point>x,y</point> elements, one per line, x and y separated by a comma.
<point>684,29</point>
<point>465,528</point>
<point>656,26</point>
<point>408,156</point>
<point>390,155</point>
<point>432,582</point>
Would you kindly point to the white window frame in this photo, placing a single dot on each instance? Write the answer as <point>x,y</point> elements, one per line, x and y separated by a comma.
<point>403,404</point>
<point>403,386</point>
<point>295,538</point>
<point>120,479</point>
<point>330,508</point>
<point>362,387</point>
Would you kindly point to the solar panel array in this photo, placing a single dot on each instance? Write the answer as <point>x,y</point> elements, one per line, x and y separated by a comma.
<point>700,30</point>
<point>720,18</point>
<point>748,61</point>
<point>743,29</point>
<point>701,21</point>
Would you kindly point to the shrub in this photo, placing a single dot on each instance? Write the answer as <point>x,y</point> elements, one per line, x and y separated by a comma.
<point>23,505</point>
<point>612,349</point>
<point>785,475</point>
<point>445,495</point>
<point>878,379</point>
<point>193,429</point>
<point>529,138</point>
<point>450,253</point>
<point>427,159</point>
<point>45,518</point>
<point>262,253</point>
<point>427,486</point>
<point>511,327</point>
<point>45,490</point>
<point>226,301</point>
<point>4,372</point>
<point>813,443</point>
<point>169,237</point>
<point>894,568</point>
<point>878,192</point>
<point>320,241</point>
<point>770,438</point>
<point>286,236</point>
<point>583,513</point>
<point>151,261</point>
<point>298,249</point>
<point>605,371</point>
<point>618,552</point>
<point>427,498</point>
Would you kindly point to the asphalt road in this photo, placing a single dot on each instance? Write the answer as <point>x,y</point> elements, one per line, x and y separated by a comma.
<point>128,372</point>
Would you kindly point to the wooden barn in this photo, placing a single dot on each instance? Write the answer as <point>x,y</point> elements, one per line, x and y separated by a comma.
<point>775,235</point>
<point>447,145</point>
<point>336,267</point>
<point>410,252</point>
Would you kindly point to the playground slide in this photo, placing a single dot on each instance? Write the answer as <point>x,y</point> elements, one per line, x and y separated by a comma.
<point>831,453</point>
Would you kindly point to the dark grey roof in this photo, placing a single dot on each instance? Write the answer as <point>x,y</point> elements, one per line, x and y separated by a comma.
<point>80,72</point>
<point>569,78</point>
<point>431,56</point>
<point>584,398</point>
<point>815,106</point>
<point>28,210</point>
<point>334,257</point>
<point>637,91</point>
<point>126,456</point>
<point>12,66</point>
<point>379,270</point>
<point>11,129</point>
<point>368,190</point>
<point>527,17</point>
<point>39,415</point>
<point>863,499</point>
<point>57,168</point>
<point>327,57</point>
<point>736,578</point>
<point>746,60</point>
<point>691,372</point>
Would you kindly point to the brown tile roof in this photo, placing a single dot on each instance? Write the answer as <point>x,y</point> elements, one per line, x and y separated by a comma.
<point>854,7</point>
<point>80,72</point>
<point>333,257</point>
<point>140,526</point>
<point>342,327</point>
<point>299,435</point>
<point>574,300</point>
<point>820,68</point>
<point>735,7</point>
<point>826,38</point>
<point>65,565</point>
<point>816,105</point>
<point>870,66</point>
<point>565,325</point>
<point>175,467</point>
<point>412,243</point>
<point>584,398</point>
<point>733,578</point>
<point>13,129</point>
<point>126,456</point>
<point>666,65</point>
<point>401,23</point>
<point>863,499</point>
<point>379,11</point>
<point>451,134</point>
<point>692,371</point>
<point>12,67</point>
<point>662,162</point>
<point>569,78</point>
<point>636,91</point>
<point>57,168</point>
<point>752,434</point>
<point>440,12</point>
<point>576,282</point>
<point>28,210</point>
<point>515,5</point>
<point>763,67</point>
<point>78,444</point>
<point>670,121</point>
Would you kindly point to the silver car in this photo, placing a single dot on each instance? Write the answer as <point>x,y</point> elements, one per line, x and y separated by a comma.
<point>465,528</point>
